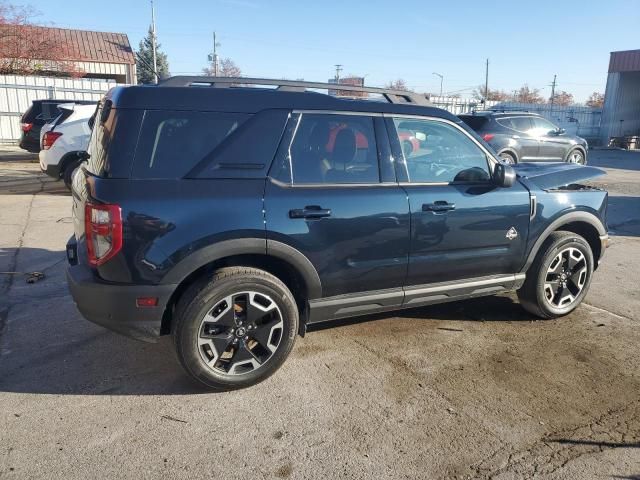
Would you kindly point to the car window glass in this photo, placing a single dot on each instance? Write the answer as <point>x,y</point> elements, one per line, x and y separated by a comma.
<point>542,126</point>
<point>334,149</point>
<point>173,142</point>
<point>436,152</point>
<point>521,124</point>
<point>49,111</point>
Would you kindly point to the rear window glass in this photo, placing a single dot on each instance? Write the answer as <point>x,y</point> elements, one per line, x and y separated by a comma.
<point>473,121</point>
<point>171,143</point>
<point>113,142</point>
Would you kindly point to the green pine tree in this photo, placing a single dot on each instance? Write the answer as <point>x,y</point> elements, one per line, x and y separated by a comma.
<point>144,60</point>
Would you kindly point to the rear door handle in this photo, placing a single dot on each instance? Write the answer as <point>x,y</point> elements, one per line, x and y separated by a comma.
<point>310,211</point>
<point>439,206</point>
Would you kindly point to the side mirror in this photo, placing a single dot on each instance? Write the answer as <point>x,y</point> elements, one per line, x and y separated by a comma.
<point>503,175</point>
<point>558,131</point>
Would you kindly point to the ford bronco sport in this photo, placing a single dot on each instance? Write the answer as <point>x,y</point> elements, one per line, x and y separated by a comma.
<point>232,216</point>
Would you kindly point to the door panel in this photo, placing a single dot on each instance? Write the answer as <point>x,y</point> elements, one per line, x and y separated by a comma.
<point>331,198</point>
<point>552,146</point>
<point>469,240</point>
<point>459,218</point>
<point>520,130</point>
<point>362,245</point>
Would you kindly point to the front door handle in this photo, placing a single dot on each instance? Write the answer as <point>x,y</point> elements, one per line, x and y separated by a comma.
<point>439,206</point>
<point>310,211</point>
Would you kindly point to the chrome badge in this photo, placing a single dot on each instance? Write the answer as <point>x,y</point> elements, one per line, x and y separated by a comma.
<point>512,233</point>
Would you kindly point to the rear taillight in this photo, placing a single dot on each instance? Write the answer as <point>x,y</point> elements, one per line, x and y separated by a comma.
<point>49,139</point>
<point>26,127</point>
<point>103,230</point>
<point>487,137</point>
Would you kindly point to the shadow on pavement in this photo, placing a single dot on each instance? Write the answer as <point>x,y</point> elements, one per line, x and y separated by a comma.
<point>484,309</point>
<point>46,347</point>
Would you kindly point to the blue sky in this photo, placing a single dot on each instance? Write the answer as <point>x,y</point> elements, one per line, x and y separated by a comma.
<point>526,42</point>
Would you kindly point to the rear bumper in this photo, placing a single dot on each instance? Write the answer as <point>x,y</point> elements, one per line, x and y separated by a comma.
<point>114,306</point>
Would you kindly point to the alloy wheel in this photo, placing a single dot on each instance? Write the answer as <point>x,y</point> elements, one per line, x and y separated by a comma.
<point>566,277</point>
<point>240,333</point>
<point>576,157</point>
<point>507,158</point>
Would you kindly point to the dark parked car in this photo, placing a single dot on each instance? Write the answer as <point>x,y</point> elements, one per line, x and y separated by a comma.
<point>39,113</point>
<point>527,137</point>
<point>233,218</point>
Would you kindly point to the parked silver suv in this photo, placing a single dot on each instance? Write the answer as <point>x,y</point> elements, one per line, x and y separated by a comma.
<point>526,137</point>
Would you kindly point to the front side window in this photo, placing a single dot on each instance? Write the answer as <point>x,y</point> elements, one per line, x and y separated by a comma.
<point>436,152</point>
<point>334,149</point>
<point>542,126</point>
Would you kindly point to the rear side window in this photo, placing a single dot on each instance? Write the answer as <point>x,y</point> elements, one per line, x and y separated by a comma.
<point>521,124</point>
<point>334,149</point>
<point>475,122</point>
<point>171,143</point>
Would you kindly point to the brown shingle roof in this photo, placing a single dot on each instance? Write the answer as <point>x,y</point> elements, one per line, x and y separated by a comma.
<point>88,46</point>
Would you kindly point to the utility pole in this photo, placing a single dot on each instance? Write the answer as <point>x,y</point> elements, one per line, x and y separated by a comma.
<point>553,91</point>
<point>215,56</point>
<point>153,43</point>
<point>338,70</point>
<point>486,83</point>
<point>441,78</point>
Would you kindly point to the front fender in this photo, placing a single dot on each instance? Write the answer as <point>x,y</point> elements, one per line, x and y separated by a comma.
<point>561,219</point>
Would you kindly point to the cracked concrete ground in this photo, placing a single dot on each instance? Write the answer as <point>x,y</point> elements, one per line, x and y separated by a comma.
<point>474,389</point>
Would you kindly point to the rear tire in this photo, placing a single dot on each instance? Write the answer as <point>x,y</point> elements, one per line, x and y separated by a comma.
<point>560,276</point>
<point>236,328</point>
<point>67,175</point>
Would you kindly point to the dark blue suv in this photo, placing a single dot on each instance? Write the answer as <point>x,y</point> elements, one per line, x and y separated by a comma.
<point>232,216</point>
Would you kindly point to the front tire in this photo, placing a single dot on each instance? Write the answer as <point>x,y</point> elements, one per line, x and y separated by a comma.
<point>560,276</point>
<point>577,156</point>
<point>508,158</point>
<point>235,329</point>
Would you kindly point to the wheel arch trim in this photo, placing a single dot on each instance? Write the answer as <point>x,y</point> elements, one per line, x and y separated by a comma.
<point>250,246</point>
<point>557,224</point>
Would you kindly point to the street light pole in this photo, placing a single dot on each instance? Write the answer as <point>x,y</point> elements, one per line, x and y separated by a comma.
<point>441,78</point>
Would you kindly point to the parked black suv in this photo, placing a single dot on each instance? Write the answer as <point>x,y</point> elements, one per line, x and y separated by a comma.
<point>39,113</point>
<point>527,137</point>
<point>234,217</point>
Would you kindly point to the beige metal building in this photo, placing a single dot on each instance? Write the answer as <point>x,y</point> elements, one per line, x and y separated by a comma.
<point>621,111</point>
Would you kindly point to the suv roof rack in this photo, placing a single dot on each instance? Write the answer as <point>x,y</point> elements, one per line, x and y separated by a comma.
<point>392,96</point>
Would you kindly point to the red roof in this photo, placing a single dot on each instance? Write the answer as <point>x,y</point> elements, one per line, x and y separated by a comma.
<point>88,46</point>
<point>625,61</point>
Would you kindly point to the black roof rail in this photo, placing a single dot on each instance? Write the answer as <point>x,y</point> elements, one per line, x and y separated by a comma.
<point>392,96</point>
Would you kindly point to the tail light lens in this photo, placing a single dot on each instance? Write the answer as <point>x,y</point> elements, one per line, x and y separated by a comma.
<point>26,127</point>
<point>49,139</point>
<point>103,230</point>
<point>488,136</point>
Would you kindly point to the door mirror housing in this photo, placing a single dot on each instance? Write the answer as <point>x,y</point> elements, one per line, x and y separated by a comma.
<point>558,131</point>
<point>503,175</point>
